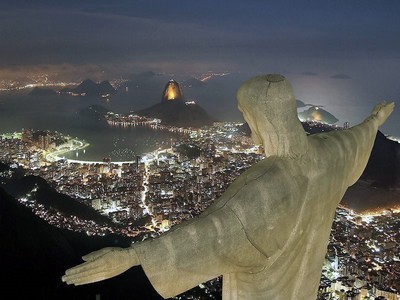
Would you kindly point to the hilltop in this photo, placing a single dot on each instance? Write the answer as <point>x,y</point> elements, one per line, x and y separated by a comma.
<point>90,88</point>
<point>179,113</point>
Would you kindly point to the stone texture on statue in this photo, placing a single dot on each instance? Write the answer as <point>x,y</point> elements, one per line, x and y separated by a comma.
<point>267,234</point>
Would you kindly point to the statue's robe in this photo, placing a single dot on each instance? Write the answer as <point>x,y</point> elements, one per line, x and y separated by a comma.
<point>267,235</point>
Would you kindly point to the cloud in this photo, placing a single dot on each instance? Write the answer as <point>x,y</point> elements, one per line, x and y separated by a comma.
<point>340,76</point>
<point>60,71</point>
<point>309,74</point>
<point>207,35</point>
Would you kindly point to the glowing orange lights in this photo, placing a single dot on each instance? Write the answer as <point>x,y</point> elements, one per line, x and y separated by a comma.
<point>172,91</point>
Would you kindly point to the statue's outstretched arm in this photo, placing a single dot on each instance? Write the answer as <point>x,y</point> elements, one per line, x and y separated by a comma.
<point>191,253</point>
<point>197,251</point>
<point>382,111</point>
<point>354,146</point>
<point>101,264</point>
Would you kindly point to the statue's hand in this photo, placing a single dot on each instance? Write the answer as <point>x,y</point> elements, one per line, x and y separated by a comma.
<point>101,264</point>
<point>382,111</point>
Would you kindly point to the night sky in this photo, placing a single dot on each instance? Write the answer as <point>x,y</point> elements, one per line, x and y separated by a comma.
<point>344,55</point>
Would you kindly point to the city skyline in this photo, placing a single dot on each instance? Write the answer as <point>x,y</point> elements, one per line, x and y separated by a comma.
<point>343,55</point>
<point>169,186</point>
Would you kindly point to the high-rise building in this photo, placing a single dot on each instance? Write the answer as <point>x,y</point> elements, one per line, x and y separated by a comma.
<point>41,139</point>
<point>137,162</point>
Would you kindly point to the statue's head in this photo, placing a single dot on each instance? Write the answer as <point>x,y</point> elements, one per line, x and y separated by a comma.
<point>269,107</point>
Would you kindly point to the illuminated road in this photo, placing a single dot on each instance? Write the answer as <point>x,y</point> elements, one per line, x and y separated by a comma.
<point>91,162</point>
<point>147,159</point>
<point>74,144</point>
<point>146,189</point>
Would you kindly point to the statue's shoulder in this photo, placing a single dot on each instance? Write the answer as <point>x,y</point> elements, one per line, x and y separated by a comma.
<point>267,169</point>
<point>274,176</point>
<point>333,144</point>
<point>242,182</point>
<point>272,180</point>
<point>270,202</point>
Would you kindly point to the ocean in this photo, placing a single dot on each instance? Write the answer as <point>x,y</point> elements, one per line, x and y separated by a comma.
<point>61,113</point>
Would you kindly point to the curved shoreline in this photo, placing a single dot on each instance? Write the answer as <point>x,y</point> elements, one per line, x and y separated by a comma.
<point>69,147</point>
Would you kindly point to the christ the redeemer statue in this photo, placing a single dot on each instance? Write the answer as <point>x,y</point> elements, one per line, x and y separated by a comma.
<point>268,233</point>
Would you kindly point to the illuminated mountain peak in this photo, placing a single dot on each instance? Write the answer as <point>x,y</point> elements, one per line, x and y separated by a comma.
<point>172,91</point>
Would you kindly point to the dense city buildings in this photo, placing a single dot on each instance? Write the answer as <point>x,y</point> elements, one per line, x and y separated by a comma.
<point>152,193</point>
<point>363,257</point>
